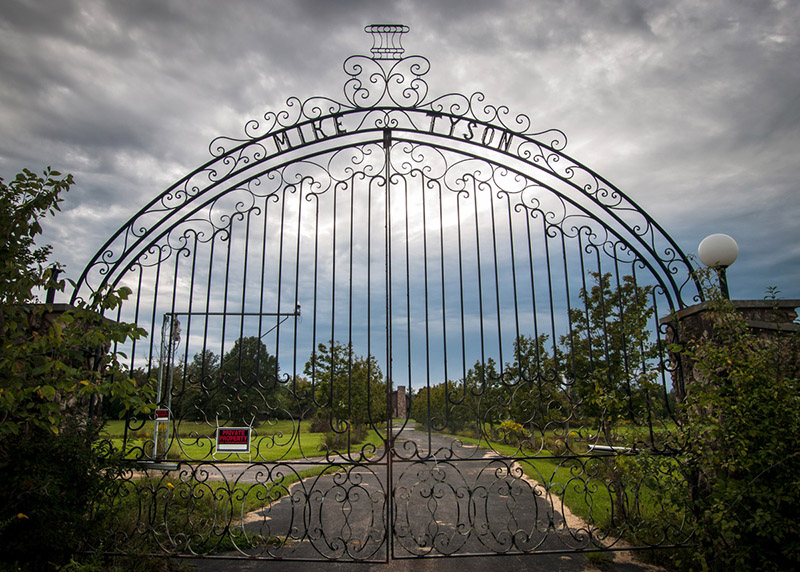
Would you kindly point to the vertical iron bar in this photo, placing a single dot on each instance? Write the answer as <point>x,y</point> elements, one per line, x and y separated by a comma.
<point>444,298</point>
<point>133,354</point>
<point>546,235</point>
<point>331,399</point>
<point>496,283</point>
<point>528,216</point>
<point>262,284</point>
<point>388,443</point>
<point>586,308</point>
<point>188,332</point>
<point>374,423</point>
<point>625,360</point>
<point>154,312</point>
<point>425,281</point>
<point>225,306</point>
<point>171,350</point>
<point>475,187</point>
<point>152,329</point>
<point>463,318</point>
<point>280,282</point>
<point>137,308</point>
<point>205,322</point>
<point>315,299</point>
<point>240,381</point>
<point>514,280</point>
<point>296,294</point>
<point>160,387</point>
<point>407,241</point>
<point>350,324</point>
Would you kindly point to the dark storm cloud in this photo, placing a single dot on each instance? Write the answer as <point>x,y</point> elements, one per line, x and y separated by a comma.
<point>691,108</point>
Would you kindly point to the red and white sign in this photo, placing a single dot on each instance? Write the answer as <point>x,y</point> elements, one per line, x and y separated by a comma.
<point>233,439</point>
<point>162,414</point>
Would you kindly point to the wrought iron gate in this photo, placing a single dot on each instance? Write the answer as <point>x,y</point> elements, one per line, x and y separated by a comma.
<point>439,331</point>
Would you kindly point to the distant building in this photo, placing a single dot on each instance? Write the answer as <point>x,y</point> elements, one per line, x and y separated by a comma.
<point>399,403</point>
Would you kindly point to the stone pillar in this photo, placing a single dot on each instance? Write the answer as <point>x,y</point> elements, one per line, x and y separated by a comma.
<point>401,410</point>
<point>399,402</point>
<point>766,318</point>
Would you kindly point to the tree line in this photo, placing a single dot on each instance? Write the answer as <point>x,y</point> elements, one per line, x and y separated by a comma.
<point>605,370</point>
<point>245,385</point>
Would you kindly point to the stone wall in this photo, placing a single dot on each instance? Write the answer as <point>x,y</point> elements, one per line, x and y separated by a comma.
<point>766,318</point>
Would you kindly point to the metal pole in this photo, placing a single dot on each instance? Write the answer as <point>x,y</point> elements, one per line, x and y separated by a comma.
<point>159,389</point>
<point>723,282</point>
<point>389,440</point>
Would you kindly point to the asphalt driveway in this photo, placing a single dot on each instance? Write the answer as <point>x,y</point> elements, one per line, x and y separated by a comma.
<point>453,505</point>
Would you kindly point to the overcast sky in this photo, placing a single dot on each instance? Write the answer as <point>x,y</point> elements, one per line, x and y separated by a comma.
<point>692,108</point>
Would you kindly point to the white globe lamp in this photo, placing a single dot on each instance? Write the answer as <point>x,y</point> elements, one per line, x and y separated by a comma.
<point>719,251</point>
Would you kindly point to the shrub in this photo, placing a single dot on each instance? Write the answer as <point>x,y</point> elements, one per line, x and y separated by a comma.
<point>334,441</point>
<point>742,458</point>
<point>511,432</point>
<point>320,423</point>
<point>49,482</point>
<point>54,367</point>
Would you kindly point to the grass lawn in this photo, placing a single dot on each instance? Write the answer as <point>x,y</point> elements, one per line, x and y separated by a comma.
<point>271,441</point>
<point>214,511</point>
<point>586,486</point>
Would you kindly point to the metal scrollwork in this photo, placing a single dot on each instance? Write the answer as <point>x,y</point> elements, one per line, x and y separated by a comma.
<point>439,332</point>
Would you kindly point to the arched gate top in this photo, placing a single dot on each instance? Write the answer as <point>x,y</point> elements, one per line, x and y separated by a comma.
<point>386,100</point>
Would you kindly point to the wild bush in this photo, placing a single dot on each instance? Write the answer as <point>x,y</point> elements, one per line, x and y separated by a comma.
<point>742,457</point>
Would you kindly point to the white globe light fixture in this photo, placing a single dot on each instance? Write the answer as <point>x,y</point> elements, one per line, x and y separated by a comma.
<point>719,251</point>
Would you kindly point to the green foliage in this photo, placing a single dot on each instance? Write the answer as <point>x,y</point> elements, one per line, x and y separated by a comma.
<point>50,362</point>
<point>213,510</point>
<point>348,388</point>
<point>339,442</point>
<point>23,203</point>
<point>511,432</point>
<point>247,379</point>
<point>536,396</point>
<point>242,388</point>
<point>742,460</point>
<point>462,406</point>
<point>528,391</point>
<point>53,365</point>
<point>603,372</point>
<point>608,357</point>
<point>48,482</point>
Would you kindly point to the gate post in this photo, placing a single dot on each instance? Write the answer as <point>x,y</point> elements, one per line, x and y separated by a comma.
<point>765,318</point>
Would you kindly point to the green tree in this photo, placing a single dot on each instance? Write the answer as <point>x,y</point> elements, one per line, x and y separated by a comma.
<point>610,366</point>
<point>608,360</point>
<point>191,395</point>
<point>479,399</point>
<point>463,404</point>
<point>428,407</point>
<point>535,397</point>
<point>528,391</point>
<point>451,406</point>
<point>243,387</point>
<point>346,387</point>
<point>53,364</point>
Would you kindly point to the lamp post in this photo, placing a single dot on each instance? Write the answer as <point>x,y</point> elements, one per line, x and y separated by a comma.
<point>719,251</point>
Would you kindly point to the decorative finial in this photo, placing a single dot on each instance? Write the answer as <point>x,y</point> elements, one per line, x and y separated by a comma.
<point>386,40</point>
